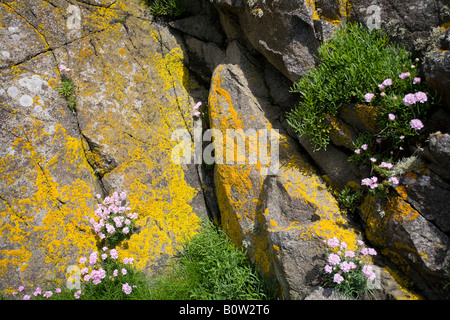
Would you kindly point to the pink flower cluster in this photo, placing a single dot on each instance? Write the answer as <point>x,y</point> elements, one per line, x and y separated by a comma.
<point>47,294</point>
<point>416,124</point>
<point>62,67</point>
<point>370,182</point>
<point>413,98</point>
<point>373,182</point>
<point>368,272</point>
<point>114,216</point>
<point>95,273</point>
<point>404,75</point>
<point>369,97</point>
<point>341,262</point>
<point>386,83</point>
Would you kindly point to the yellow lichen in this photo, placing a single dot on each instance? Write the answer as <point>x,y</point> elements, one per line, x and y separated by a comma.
<point>48,221</point>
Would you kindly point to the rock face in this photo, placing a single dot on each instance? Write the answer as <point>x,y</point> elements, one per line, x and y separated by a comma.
<point>411,229</point>
<point>136,81</point>
<point>280,218</point>
<point>132,90</point>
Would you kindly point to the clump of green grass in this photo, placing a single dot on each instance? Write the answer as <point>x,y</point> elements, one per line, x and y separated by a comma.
<point>211,267</point>
<point>171,8</point>
<point>67,90</point>
<point>351,64</point>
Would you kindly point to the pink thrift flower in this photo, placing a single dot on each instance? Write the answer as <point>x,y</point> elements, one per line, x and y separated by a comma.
<point>333,242</point>
<point>381,87</point>
<point>98,275</point>
<point>118,221</point>
<point>421,97</point>
<point>115,272</point>
<point>416,80</point>
<point>338,278</point>
<point>358,151</point>
<point>196,113</point>
<point>21,288</point>
<point>383,94</point>
<point>26,297</point>
<point>345,266</point>
<point>62,67</point>
<point>48,294</point>
<point>126,230</point>
<point>328,268</point>
<point>124,271</point>
<point>393,180</point>
<point>369,97</point>
<point>410,99</point>
<point>37,292</point>
<point>349,254</point>
<point>368,272</point>
<point>404,75</point>
<point>113,253</point>
<point>123,195</point>
<point>373,160</point>
<point>387,82</point>
<point>104,256</point>
<point>126,288</point>
<point>110,229</point>
<point>364,146</point>
<point>372,252</point>
<point>133,215</point>
<point>365,251</point>
<point>416,124</point>
<point>386,165</point>
<point>197,105</point>
<point>128,260</point>
<point>84,271</point>
<point>333,259</point>
<point>77,294</point>
<point>391,116</point>
<point>343,245</point>
<point>370,182</point>
<point>367,269</point>
<point>374,186</point>
<point>360,242</point>
<point>93,258</point>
